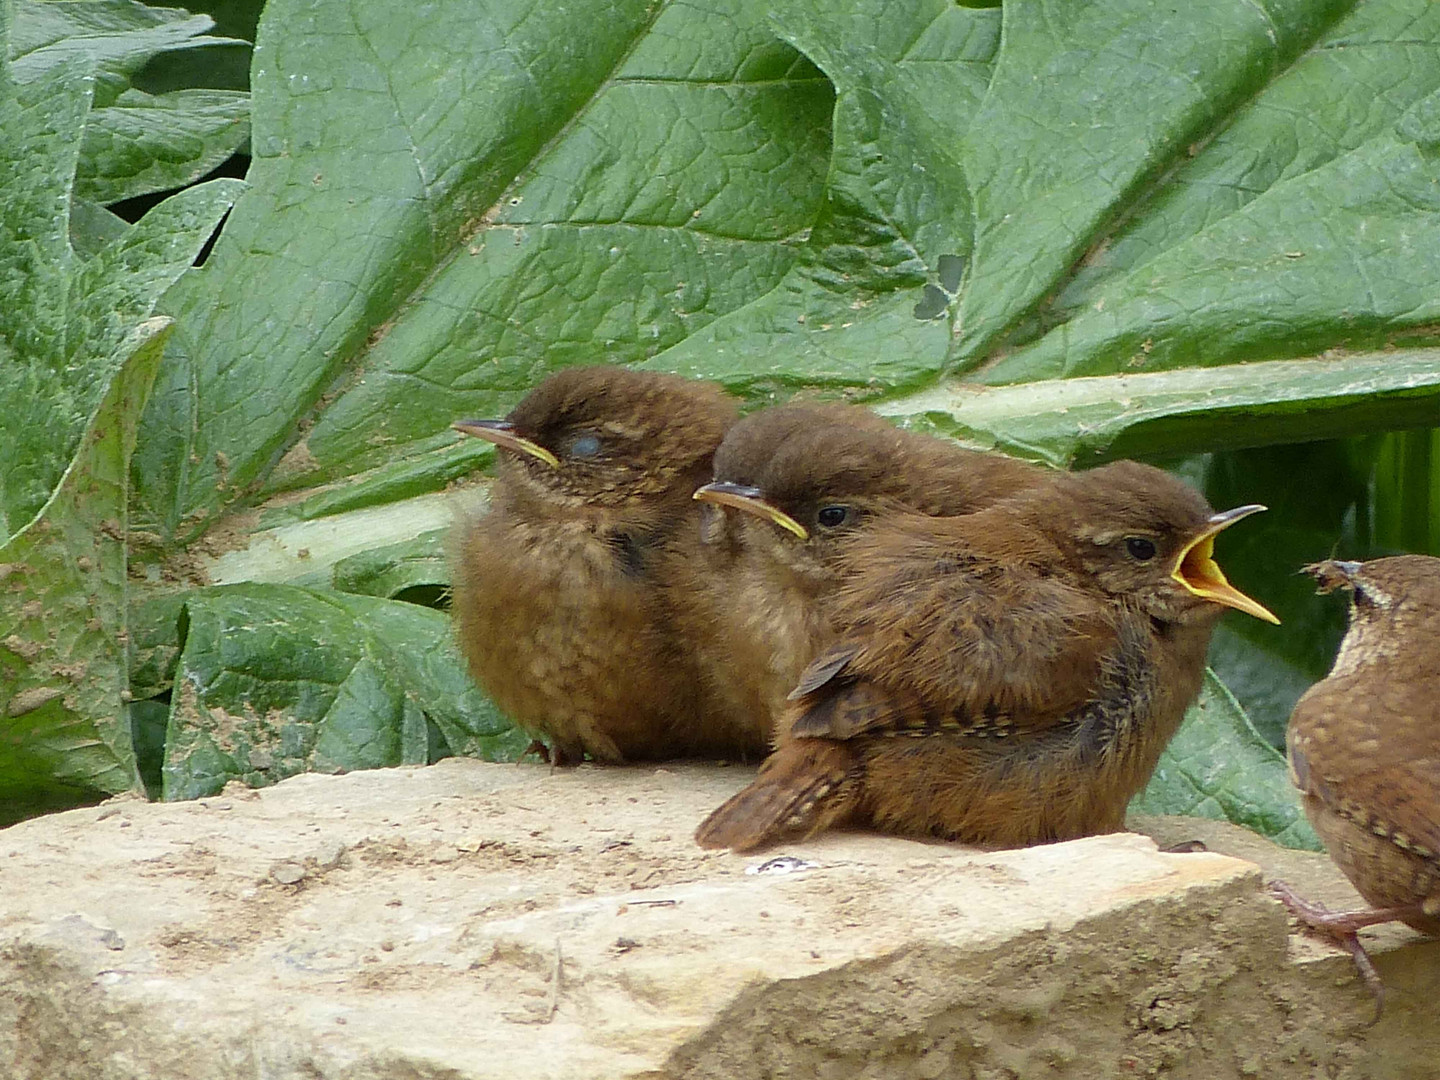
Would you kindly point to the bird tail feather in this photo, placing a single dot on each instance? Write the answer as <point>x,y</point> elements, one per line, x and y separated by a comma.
<point>805,786</point>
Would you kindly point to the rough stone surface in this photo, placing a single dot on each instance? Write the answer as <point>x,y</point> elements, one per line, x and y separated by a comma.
<point>470,920</point>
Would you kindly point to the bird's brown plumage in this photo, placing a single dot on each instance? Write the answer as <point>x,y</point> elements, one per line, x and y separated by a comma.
<point>751,594</point>
<point>1364,742</point>
<point>1008,677</point>
<point>556,593</point>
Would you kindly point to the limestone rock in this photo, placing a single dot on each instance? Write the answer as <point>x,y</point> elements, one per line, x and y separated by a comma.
<point>476,921</point>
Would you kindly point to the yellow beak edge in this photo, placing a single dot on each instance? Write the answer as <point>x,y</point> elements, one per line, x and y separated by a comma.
<point>502,434</point>
<point>752,501</point>
<point>1196,569</point>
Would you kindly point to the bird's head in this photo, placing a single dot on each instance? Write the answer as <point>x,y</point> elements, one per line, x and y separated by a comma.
<point>1392,601</point>
<point>1148,537</point>
<point>807,477</point>
<point>607,436</point>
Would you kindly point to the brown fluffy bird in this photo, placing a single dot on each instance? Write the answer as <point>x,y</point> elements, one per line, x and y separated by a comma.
<point>1364,748</point>
<point>751,592</point>
<point>555,593</point>
<point>1005,678</point>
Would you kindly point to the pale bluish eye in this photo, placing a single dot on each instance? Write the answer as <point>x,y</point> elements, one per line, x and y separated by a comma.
<point>585,446</point>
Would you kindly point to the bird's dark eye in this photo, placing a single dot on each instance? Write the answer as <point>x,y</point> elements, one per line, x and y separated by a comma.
<point>1140,548</point>
<point>585,446</point>
<point>832,516</point>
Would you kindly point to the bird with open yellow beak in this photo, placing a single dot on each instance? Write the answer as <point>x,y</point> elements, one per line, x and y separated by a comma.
<point>1005,678</point>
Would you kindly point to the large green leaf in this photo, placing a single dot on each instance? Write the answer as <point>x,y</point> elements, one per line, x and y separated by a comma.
<point>1343,255</point>
<point>896,215</point>
<point>1374,62</point>
<point>444,209</point>
<point>1089,104</point>
<point>844,196</point>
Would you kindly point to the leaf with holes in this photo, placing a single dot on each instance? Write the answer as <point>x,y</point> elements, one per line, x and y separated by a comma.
<point>79,352</point>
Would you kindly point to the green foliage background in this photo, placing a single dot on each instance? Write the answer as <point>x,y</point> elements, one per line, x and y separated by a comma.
<point>1206,236</point>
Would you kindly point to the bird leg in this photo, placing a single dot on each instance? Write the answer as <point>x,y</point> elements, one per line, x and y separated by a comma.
<point>1341,927</point>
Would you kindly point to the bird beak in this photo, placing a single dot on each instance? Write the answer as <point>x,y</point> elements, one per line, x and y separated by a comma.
<point>502,434</point>
<point>1332,574</point>
<point>1195,568</point>
<point>752,501</point>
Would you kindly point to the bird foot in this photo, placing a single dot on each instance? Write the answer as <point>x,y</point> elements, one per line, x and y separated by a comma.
<point>558,756</point>
<point>1319,917</point>
<point>1340,927</point>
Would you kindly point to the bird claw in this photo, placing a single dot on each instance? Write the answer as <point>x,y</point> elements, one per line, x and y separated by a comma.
<point>1339,927</point>
<point>1367,969</point>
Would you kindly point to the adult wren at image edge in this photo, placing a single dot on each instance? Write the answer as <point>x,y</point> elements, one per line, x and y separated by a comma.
<point>1006,678</point>
<point>556,600</point>
<point>1364,750</point>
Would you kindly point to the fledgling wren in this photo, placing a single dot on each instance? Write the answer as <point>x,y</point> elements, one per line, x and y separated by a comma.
<point>1364,749</point>
<point>1005,678</point>
<point>806,478</point>
<point>556,599</point>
